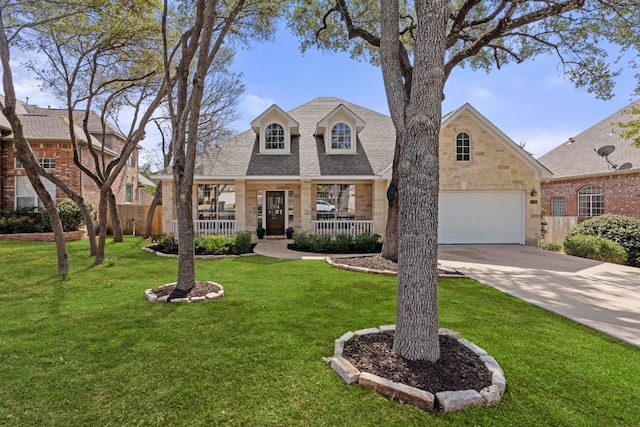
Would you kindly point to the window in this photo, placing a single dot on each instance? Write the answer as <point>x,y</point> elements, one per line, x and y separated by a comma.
<point>590,201</point>
<point>335,201</point>
<point>558,206</point>
<point>463,148</point>
<point>45,162</point>
<point>128,193</point>
<point>341,137</point>
<point>26,196</point>
<point>274,137</point>
<point>131,161</point>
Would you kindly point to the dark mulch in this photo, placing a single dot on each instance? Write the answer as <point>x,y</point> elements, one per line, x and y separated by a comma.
<point>457,369</point>
<point>374,262</point>
<point>201,289</point>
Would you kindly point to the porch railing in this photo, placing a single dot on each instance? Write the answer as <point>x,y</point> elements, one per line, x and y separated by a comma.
<point>342,226</point>
<point>209,227</point>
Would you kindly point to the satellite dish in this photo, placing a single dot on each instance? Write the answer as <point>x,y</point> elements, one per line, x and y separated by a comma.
<point>606,150</point>
<point>625,166</point>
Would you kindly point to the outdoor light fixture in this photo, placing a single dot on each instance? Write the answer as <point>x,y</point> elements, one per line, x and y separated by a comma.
<point>534,192</point>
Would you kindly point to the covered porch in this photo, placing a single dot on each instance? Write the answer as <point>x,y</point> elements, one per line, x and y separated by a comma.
<point>305,206</point>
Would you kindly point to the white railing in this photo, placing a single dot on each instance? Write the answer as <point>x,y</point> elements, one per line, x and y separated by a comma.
<point>342,226</point>
<point>213,227</point>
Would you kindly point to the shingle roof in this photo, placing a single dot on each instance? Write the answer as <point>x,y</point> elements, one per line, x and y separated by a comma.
<point>578,156</point>
<point>239,156</point>
<point>95,128</point>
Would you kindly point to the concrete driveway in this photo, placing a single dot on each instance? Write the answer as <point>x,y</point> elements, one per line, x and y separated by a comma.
<point>603,296</point>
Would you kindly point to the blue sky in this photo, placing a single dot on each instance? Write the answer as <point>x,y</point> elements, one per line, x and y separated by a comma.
<point>530,102</point>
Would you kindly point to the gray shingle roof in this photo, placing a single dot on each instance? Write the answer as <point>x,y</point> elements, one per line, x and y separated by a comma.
<point>578,156</point>
<point>239,156</point>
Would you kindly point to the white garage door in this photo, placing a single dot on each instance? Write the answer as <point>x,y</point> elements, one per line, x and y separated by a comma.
<point>481,217</point>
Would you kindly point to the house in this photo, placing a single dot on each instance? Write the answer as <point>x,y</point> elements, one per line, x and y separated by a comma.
<point>47,131</point>
<point>324,167</point>
<point>595,172</point>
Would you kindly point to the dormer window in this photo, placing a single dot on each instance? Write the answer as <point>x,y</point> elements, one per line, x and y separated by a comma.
<point>339,129</point>
<point>341,137</point>
<point>275,130</point>
<point>274,137</point>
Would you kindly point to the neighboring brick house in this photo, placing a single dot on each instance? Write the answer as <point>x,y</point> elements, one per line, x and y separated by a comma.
<point>596,172</point>
<point>47,131</point>
<point>325,167</point>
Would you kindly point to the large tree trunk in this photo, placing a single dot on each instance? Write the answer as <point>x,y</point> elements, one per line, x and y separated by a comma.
<point>152,211</point>
<point>102,228</point>
<point>417,115</point>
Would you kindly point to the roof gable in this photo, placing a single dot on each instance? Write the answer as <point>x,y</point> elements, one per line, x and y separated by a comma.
<point>274,113</point>
<point>340,112</point>
<point>578,156</point>
<point>448,119</point>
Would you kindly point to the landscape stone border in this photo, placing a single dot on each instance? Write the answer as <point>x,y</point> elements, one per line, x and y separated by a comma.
<point>210,296</point>
<point>449,272</point>
<point>158,253</point>
<point>446,401</point>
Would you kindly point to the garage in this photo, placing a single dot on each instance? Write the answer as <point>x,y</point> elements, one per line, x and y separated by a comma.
<point>481,217</point>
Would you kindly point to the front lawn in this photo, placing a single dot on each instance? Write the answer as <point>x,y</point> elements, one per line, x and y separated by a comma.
<point>92,351</point>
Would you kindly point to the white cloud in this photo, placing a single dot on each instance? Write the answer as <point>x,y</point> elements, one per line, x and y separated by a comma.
<point>480,93</point>
<point>254,105</point>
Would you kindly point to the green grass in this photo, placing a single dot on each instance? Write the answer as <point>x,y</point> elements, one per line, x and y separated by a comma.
<point>91,351</point>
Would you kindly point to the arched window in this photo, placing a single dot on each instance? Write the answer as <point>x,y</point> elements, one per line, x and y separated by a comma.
<point>341,137</point>
<point>274,137</point>
<point>463,147</point>
<point>590,201</point>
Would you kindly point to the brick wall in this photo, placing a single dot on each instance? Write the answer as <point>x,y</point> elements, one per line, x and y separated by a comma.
<point>621,193</point>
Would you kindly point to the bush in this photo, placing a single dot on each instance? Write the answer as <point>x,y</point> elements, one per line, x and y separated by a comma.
<point>621,229</point>
<point>216,245</point>
<point>70,214</point>
<point>551,246</point>
<point>240,243</point>
<point>342,244</point>
<point>366,243</point>
<point>165,242</point>
<point>23,221</point>
<point>595,247</point>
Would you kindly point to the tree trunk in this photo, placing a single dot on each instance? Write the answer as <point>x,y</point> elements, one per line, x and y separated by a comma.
<point>186,258</point>
<point>102,228</point>
<point>152,211</point>
<point>390,242</point>
<point>115,218</point>
<point>417,115</point>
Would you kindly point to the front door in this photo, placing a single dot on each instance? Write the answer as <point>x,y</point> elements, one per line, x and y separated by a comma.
<point>275,213</point>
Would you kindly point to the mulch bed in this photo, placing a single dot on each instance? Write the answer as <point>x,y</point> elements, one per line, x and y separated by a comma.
<point>200,289</point>
<point>373,262</point>
<point>458,368</point>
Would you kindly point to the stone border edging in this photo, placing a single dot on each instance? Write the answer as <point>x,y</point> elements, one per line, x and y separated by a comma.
<point>210,296</point>
<point>69,236</point>
<point>446,401</point>
<point>148,249</point>
<point>451,273</point>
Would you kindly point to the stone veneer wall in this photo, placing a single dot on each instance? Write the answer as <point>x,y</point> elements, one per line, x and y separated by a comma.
<point>494,166</point>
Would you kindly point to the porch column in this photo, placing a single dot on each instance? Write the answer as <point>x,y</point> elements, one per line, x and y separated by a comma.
<point>380,206</point>
<point>194,201</point>
<point>306,206</point>
<point>241,204</point>
<point>168,206</point>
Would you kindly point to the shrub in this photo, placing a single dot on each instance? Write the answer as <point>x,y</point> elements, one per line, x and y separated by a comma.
<point>240,243</point>
<point>200,243</point>
<point>551,246</point>
<point>23,221</point>
<point>595,247</point>
<point>302,241</point>
<point>216,245</point>
<point>342,244</point>
<point>320,243</point>
<point>70,214</point>
<point>366,243</point>
<point>621,229</point>
<point>165,242</point>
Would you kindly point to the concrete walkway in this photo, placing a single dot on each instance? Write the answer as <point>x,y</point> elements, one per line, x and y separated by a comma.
<point>603,296</point>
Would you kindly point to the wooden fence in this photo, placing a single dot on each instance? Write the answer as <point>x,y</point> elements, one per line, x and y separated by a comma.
<point>134,217</point>
<point>558,227</point>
